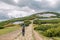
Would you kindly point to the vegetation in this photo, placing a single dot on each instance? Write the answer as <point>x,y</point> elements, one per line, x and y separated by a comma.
<point>49,32</point>
<point>1,27</point>
<point>27,22</point>
<point>56,13</point>
<point>48,28</point>
<point>9,29</point>
<point>55,21</point>
<point>53,32</point>
<point>7,26</point>
<point>45,27</point>
<point>31,17</point>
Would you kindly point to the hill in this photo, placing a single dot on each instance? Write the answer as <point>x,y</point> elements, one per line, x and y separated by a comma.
<point>31,17</point>
<point>54,13</point>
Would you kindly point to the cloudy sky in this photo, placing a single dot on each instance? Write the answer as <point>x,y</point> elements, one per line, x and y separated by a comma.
<point>19,8</point>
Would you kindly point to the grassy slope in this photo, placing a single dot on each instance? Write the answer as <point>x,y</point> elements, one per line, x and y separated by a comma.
<point>8,30</point>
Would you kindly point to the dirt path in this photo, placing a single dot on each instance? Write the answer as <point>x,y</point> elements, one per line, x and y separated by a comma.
<point>10,36</point>
<point>28,34</point>
<point>37,36</point>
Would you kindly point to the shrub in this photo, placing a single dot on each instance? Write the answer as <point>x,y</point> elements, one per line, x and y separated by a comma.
<point>36,22</point>
<point>50,33</point>
<point>44,27</point>
<point>27,22</point>
<point>1,27</point>
<point>53,32</point>
<point>46,21</point>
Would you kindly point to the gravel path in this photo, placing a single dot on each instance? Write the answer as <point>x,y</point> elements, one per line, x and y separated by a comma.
<point>28,34</point>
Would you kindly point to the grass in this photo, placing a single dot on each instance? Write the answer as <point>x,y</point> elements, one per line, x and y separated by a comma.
<point>8,30</point>
<point>40,33</point>
<point>47,38</point>
<point>56,38</point>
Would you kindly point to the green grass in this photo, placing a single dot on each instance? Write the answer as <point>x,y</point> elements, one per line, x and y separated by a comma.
<point>56,38</point>
<point>8,30</point>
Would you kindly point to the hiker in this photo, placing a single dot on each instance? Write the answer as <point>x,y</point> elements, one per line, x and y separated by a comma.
<point>23,30</point>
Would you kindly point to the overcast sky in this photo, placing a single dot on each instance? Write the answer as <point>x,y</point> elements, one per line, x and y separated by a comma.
<point>19,8</point>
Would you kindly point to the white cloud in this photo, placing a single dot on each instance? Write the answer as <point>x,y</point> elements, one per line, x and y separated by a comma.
<point>16,8</point>
<point>15,11</point>
<point>19,13</point>
<point>7,7</point>
<point>38,0</point>
<point>24,11</point>
<point>27,9</point>
<point>52,3</point>
<point>16,1</point>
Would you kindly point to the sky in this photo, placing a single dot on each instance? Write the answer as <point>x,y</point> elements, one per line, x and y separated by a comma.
<point>21,8</point>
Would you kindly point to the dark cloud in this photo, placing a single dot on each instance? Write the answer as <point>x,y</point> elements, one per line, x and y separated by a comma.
<point>7,1</point>
<point>36,5</point>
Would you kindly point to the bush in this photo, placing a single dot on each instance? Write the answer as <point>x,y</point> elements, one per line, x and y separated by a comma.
<point>36,22</point>
<point>49,33</point>
<point>27,22</point>
<point>55,21</point>
<point>45,27</point>
<point>57,31</point>
<point>49,28</point>
<point>53,32</point>
<point>1,27</point>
